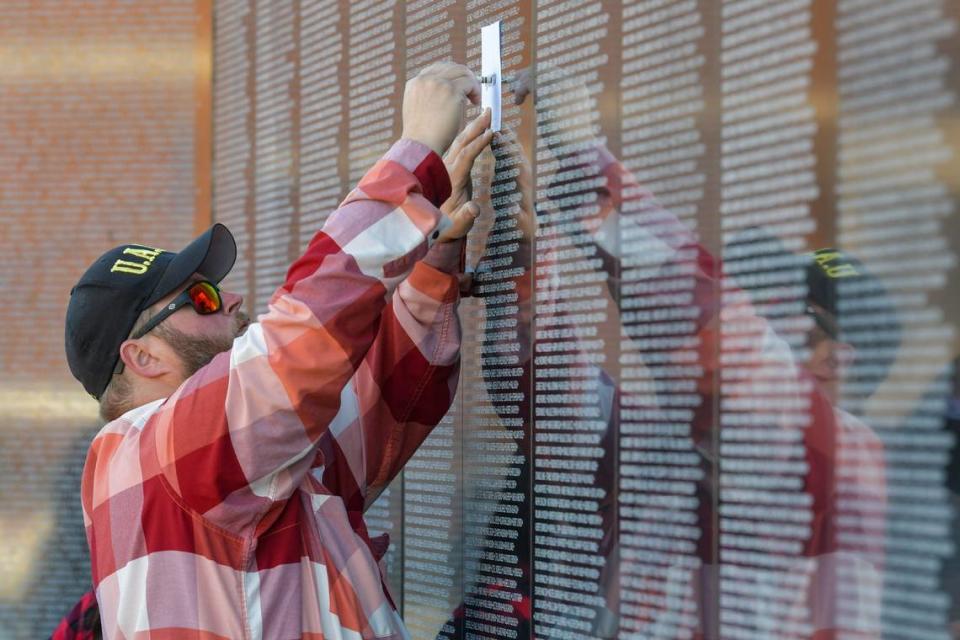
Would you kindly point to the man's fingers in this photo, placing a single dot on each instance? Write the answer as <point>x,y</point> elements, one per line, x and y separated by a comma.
<point>464,81</point>
<point>474,128</point>
<point>462,221</point>
<point>475,133</point>
<point>433,105</point>
<point>464,218</point>
<point>475,147</point>
<point>478,125</point>
<point>468,85</point>
<point>443,68</point>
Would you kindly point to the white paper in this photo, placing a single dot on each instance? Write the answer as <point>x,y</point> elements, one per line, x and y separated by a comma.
<point>490,68</point>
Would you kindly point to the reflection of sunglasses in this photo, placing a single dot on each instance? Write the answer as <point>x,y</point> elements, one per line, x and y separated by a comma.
<point>827,324</point>
<point>203,295</point>
<point>824,322</point>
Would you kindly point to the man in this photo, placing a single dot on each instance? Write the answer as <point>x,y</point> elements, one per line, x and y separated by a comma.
<point>225,497</point>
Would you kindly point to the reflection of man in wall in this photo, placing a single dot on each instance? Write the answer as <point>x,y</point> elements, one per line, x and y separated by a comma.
<point>843,455</point>
<point>861,480</point>
<point>225,497</point>
<point>846,548</point>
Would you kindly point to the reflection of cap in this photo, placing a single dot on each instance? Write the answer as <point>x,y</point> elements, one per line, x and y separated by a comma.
<point>859,308</point>
<point>824,271</point>
<point>862,313</point>
<point>106,302</point>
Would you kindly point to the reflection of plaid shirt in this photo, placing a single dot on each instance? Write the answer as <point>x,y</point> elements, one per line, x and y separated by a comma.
<point>233,509</point>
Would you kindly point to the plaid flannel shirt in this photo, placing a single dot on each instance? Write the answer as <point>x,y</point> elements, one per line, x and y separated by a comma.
<point>233,508</point>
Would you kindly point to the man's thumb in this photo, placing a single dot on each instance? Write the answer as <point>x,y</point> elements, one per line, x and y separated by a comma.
<point>470,209</point>
<point>462,219</point>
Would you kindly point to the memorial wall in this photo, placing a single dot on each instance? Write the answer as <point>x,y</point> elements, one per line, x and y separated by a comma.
<point>708,380</point>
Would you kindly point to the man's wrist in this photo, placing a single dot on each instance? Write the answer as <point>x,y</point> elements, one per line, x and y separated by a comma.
<point>426,165</point>
<point>425,140</point>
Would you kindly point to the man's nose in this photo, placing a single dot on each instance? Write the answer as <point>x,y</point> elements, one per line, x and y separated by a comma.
<point>231,301</point>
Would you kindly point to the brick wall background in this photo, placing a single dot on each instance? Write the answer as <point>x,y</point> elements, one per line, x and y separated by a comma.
<point>100,107</point>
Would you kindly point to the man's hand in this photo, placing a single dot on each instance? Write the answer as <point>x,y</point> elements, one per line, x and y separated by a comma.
<point>433,104</point>
<point>459,160</point>
<point>463,219</point>
<point>461,157</point>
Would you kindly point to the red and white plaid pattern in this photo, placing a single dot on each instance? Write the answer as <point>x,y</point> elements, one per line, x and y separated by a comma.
<point>233,508</point>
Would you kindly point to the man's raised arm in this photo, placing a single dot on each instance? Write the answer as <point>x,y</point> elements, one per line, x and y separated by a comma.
<point>408,379</point>
<point>238,436</point>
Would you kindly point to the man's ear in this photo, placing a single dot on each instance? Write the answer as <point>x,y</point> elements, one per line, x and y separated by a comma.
<point>139,358</point>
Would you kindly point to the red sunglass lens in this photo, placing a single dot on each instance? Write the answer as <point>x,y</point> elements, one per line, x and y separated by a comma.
<point>205,298</point>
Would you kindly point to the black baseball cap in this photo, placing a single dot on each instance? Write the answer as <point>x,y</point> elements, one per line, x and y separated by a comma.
<point>106,302</point>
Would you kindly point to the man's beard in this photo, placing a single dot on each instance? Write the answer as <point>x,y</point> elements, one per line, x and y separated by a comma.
<point>197,351</point>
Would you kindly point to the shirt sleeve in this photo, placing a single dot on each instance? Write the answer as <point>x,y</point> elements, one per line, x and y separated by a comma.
<point>400,392</point>
<point>238,437</point>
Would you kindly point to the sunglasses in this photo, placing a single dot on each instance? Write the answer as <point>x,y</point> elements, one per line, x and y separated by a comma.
<point>203,296</point>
